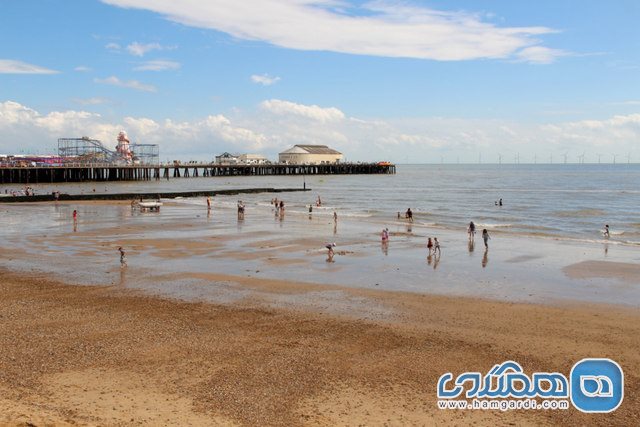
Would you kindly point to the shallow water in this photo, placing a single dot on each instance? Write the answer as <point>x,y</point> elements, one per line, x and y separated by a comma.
<point>569,201</point>
<point>168,252</point>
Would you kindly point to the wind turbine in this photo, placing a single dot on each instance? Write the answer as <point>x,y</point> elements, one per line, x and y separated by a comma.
<point>614,158</point>
<point>499,158</point>
<point>599,157</point>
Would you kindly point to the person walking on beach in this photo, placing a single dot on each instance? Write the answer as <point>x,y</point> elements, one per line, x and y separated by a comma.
<point>436,246</point>
<point>123,257</point>
<point>606,231</point>
<point>385,235</point>
<point>335,216</point>
<point>319,201</point>
<point>208,203</point>
<point>471,230</point>
<point>75,216</point>
<point>485,237</point>
<point>430,246</point>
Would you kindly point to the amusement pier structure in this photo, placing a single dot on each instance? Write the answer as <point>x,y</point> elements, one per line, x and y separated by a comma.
<point>86,159</point>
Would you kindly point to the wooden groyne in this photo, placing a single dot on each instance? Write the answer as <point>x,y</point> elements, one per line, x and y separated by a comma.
<point>147,195</point>
<point>109,172</point>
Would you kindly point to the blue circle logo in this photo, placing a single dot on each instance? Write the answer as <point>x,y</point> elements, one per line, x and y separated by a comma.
<point>597,385</point>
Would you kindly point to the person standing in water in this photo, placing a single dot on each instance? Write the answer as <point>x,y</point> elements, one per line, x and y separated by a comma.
<point>436,246</point>
<point>123,257</point>
<point>429,246</point>
<point>606,231</point>
<point>208,203</point>
<point>385,235</point>
<point>330,247</point>
<point>485,237</point>
<point>471,230</point>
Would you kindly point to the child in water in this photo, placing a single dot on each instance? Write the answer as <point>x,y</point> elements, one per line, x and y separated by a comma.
<point>429,245</point>
<point>330,247</point>
<point>485,237</point>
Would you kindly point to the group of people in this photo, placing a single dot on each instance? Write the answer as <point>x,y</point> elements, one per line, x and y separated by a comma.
<point>408,215</point>
<point>28,191</point>
<point>471,230</point>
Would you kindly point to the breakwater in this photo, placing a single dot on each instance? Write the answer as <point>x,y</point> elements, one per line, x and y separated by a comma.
<point>147,195</point>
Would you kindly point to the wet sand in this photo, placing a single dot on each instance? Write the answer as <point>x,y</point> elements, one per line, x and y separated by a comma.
<point>96,355</point>
<point>226,322</point>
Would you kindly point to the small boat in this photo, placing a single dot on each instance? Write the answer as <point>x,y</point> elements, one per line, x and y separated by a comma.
<point>151,206</point>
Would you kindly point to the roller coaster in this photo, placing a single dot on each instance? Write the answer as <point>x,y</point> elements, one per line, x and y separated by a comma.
<point>91,151</point>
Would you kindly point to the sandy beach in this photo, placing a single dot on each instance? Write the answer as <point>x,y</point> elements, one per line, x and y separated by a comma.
<point>217,321</point>
<point>79,355</point>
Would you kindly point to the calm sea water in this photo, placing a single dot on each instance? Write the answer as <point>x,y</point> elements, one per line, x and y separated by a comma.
<point>556,201</point>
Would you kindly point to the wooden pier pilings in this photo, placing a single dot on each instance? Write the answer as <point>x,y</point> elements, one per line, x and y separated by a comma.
<point>82,173</point>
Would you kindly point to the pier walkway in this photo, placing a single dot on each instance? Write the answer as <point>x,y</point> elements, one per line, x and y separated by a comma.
<point>110,172</point>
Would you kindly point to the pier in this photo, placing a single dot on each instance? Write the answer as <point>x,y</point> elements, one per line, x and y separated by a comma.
<point>111,172</point>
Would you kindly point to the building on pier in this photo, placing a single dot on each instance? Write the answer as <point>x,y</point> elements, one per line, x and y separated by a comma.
<point>310,155</point>
<point>227,159</point>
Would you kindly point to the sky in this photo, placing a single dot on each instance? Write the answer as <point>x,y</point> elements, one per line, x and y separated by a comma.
<point>379,80</point>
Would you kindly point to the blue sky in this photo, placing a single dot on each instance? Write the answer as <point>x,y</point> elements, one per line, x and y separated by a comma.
<point>422,81</point>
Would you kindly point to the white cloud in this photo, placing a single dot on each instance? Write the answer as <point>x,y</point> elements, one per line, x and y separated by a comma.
<point>139,49</point>
<point>261,130</point>
<point>390,28</point>
<point>157,65</point>
<point>112,46</point>
<point>131,84</point>
<point>540,54</point>
<point>264,79</point>
<point>314,112</point>
<point>82,69</point>
<point>10,66</point>
<point>91,101</point>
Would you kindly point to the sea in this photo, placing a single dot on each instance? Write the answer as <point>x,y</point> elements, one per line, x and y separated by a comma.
<point>558,201</point>
<point>551,219</point>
